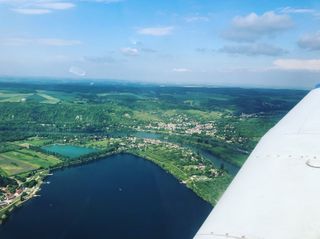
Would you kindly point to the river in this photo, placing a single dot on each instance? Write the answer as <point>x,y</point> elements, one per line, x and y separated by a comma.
<point>232,169</point>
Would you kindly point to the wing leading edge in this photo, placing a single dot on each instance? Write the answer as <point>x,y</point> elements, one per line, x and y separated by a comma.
<point>276,194</point>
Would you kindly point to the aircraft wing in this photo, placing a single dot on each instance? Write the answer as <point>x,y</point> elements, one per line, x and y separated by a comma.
<point>276,194</point>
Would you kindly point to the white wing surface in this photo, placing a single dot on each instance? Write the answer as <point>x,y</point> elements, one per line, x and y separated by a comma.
<point>276,194</point>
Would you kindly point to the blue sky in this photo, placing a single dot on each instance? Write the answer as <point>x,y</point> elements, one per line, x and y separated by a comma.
<point>231,42</point>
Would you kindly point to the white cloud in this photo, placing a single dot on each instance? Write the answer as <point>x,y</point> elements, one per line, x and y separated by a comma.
<point>298,64</point>
<point>38,41</point>
<point>181,70</point>
<point>255,49</point>
<point>105,1</point>
<point>55,5</point>
<point>31,11</point>
<point>26,2</point>
<point>77,71</point>
<point>289,10</point>
<point>128,51</point>
<point>197,19</point>
<point>269,21</point>
<point>156,31</point>
<point>310,42</point>
<point>39,7</point>
<point>306,11</point>
<point>253,26</point>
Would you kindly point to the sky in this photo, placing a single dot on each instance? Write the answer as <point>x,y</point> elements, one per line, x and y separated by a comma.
<point>256,43</point>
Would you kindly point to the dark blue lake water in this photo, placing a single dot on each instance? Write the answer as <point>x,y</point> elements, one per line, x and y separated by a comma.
<point>120,197</point>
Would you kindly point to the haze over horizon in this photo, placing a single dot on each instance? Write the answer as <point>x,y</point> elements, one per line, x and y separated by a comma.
<point>249,43</point>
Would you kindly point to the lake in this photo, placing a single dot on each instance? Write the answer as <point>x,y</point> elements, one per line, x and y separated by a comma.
<point>120,197</point>
<point>70,151</point>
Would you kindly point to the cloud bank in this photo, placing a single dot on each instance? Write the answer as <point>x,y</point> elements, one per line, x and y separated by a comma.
<point>253,26</point>
<point>256,49</point>
<point>310,42</point>
<point>298,64</point>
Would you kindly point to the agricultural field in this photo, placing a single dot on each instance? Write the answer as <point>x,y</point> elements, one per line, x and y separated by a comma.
<point>7,96</point>
<point>32,141</point>
<point>48,98</point>
<point>24,160</point>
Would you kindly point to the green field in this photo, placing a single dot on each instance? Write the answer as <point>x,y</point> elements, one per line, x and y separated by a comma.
<point>33,141</point>
<point>48,98</point>
<point>38,96</point>
<point>24,160</point>
<point>6,96</point>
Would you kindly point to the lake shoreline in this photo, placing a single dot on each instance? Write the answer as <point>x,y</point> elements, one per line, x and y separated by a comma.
<point>119,185</point>
<point>87,159</point>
